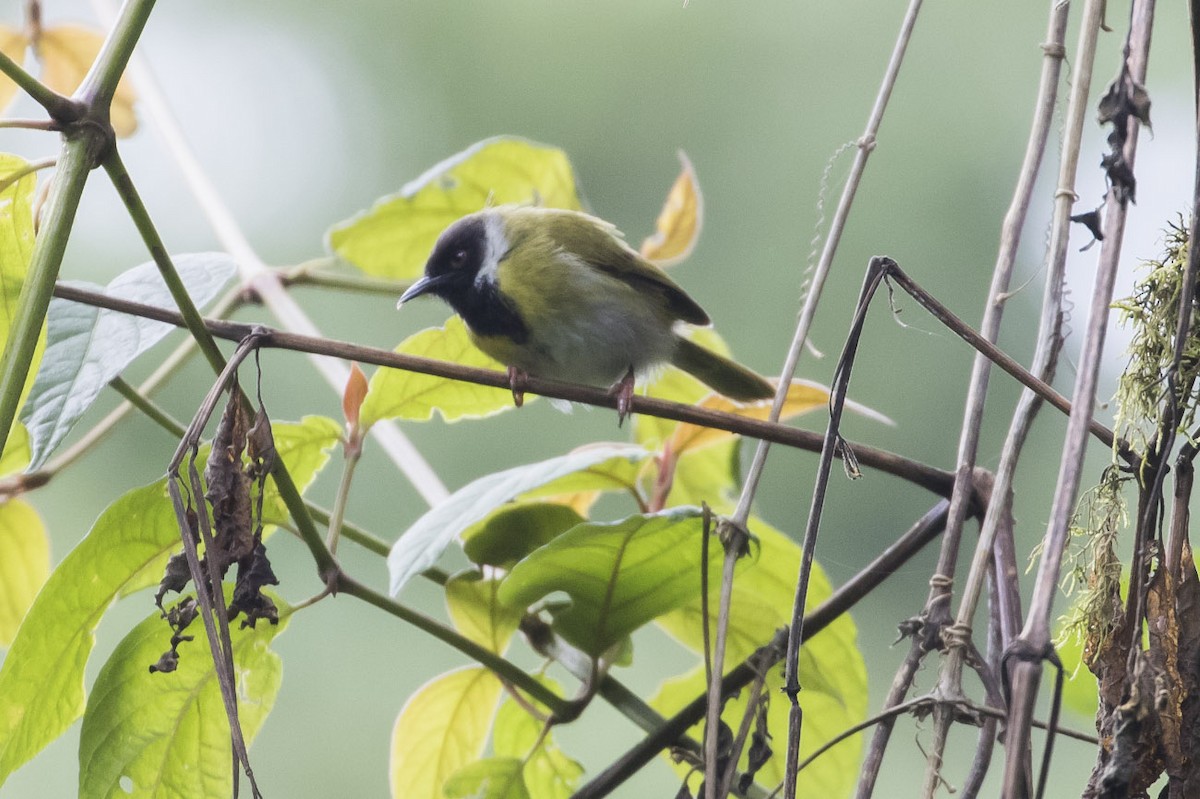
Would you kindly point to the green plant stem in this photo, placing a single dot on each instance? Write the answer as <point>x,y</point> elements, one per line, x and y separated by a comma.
<point>338,515</point>
<point>54,103</point>
<point>128,193</point>
<point>507,671</point>
<point>313,273</point>
<point>156,414</point>
<point>26,329</point>
<point>99,85</point>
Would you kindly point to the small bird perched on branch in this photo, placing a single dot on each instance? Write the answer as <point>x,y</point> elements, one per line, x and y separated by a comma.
<point>559,294</point>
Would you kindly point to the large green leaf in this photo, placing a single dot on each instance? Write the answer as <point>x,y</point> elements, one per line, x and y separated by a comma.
<point>159,735</point>
<point>394,238</point>
<point>88,346</point>
<point>442,727</point>
<point>41,680</point>
<point>423,543</point>
<point>618,575</point>
<point>24,563</point>
<point>395,393</point>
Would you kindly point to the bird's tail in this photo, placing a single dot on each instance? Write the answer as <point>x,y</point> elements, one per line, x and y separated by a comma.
<point>719,373</point>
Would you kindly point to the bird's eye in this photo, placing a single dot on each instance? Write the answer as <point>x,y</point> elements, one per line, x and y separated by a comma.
<point>459,258</point>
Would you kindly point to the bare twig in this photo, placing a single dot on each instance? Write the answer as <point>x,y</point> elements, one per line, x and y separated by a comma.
<point>876,272</point>
<point>1033,643</point>
<point>950,675</point>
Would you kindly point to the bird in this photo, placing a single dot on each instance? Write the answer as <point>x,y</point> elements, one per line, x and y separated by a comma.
<point>558,294</point>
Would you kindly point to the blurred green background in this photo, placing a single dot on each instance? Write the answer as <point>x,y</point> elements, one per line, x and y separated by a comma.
<point>303,113</point>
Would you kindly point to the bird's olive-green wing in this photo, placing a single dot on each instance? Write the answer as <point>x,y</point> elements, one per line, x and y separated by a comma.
<point>602,247</point>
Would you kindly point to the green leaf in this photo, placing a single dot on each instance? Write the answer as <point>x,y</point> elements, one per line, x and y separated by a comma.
<point>548,773</point>
<point>41,679</point>
<point>394,238</point>
<point>493,778</point>
<point>618,575</point>
<point>423,543</point>
<point>513,531</point>
<point>24,564</point>
<point>832,671</point>
<point>87,346</point>
<point>476,613</point>
<point>442,727</point>
<point>395,393</point>
<point>159,734</point>
<point>16,250</point>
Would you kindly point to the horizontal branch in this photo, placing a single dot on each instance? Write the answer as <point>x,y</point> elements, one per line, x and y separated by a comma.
<point>937,481</point>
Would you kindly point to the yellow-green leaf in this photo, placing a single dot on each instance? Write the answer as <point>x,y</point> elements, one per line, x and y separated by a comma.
<point>41,679</point>
<point>678,226</point>
<point>16,249</point>
<point>394,238</point>
<point>548,773</point>
<point>67,53</point>
<point>152,734</point>
<point>832,670</point>
<point>441,728</point>
<point>24,564</point>
<point>395,393</point>
<point>831,776</point>
<point>478,614</point>
<point>13,43</point>
<point>493,778</point>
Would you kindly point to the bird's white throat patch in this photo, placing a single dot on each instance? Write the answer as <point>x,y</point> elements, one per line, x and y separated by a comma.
<point>495,247</point>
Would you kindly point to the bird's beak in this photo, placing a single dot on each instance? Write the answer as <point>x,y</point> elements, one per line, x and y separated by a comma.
<point>423,286</point>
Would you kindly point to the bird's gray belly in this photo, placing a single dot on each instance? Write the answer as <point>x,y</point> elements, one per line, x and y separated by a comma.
<point>598,348</point>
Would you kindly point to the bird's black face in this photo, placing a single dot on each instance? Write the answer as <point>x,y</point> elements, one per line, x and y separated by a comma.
<point>455,261</point>
<point>453,273</point>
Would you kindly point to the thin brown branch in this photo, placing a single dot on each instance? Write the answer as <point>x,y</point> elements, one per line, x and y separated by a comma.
<point>936,480</point>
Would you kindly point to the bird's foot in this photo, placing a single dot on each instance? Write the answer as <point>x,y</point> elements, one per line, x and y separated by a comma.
<point>623,390</point>
<point>516,381</point>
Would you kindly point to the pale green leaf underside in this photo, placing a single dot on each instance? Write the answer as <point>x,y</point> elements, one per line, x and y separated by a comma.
<point>87,346</point>
<point>166,735</point>
<point>423,543</point>
<point>41,679</point>
<point>395,236</point>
